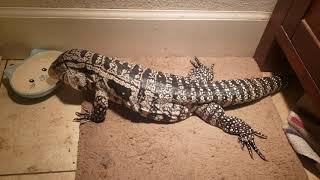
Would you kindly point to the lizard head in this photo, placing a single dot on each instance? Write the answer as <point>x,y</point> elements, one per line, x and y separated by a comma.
<point>63,70</point>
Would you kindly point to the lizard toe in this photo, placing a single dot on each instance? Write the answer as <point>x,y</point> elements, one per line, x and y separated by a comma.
<point>248,141</point>
<point>82,117</point>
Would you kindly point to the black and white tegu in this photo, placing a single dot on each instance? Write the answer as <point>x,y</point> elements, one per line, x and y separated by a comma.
<point>162,96</point>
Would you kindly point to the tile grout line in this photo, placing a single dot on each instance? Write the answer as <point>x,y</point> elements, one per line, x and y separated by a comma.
<point>4,68</point>
<point>12,59</point>
<point>35,173</point>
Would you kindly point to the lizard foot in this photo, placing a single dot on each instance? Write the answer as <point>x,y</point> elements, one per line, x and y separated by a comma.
<point>200,71</point>
<point>245,133</point>
<point>90,114</point>
<point>83,117</point>
<point>247,139</point>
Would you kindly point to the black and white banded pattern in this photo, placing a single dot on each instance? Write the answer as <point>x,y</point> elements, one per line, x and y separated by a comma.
<point>162,96</point>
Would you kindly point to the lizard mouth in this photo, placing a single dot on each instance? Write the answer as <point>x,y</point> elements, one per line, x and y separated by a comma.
<point>53,74</point>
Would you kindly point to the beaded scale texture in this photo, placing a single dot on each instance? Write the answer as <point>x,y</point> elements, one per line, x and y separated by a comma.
<point>162,96</point>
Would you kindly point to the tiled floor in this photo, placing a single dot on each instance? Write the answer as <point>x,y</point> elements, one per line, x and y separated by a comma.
<point>37,142</point>
<point>35,139</point>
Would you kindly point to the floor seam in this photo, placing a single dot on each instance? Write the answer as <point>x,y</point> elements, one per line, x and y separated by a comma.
<point>35,173</point>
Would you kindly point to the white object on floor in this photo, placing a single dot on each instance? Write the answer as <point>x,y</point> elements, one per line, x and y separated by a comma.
<point>299,138</point>
<point>31,79</point>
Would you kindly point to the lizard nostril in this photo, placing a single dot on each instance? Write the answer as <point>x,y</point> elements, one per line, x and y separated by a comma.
<point>31,80</point>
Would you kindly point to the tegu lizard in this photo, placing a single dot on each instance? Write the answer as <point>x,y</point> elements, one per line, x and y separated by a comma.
<point>162,96</point>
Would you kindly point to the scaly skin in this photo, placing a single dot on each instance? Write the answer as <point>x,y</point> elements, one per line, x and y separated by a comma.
<point>162,96</point>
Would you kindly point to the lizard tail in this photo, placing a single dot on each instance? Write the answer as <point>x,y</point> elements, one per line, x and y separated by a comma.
<point>247,90</point>
<point>276,82</point>
<point>264,86</point>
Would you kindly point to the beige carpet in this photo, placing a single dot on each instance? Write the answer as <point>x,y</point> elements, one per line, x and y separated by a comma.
<point>125,148</point>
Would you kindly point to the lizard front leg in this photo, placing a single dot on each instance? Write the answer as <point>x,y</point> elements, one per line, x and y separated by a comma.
<point>100,106</point>
<point>213,114</point>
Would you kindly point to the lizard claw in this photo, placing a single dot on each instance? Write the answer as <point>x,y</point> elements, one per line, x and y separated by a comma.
<point>195,62</point>
<point>89,116</point>
<point>83,117</point>
<point>259,134</point>
<point>245,133</point>
<point>247,140</point>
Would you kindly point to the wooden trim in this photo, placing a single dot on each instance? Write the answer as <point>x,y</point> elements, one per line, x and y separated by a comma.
<point>308,47</point>
<point>267,54</point>
<point>298,66</point>
<point>294,16</point>
<point>134,14</point>
<point>312,18</point>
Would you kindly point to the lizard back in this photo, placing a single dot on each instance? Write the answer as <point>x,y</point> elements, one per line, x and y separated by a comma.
<point>134,83</point>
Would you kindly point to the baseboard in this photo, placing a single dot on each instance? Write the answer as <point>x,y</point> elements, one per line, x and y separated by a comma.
<point>123,32</point>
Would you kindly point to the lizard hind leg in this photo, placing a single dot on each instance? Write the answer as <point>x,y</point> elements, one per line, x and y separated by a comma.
<point>213,114</point>
<point>200,71</point>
